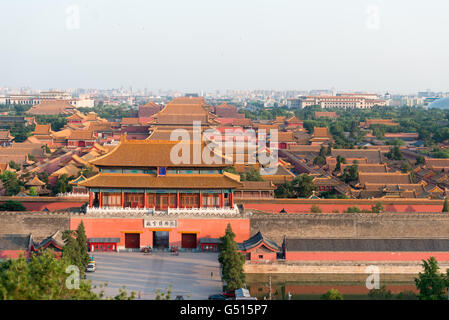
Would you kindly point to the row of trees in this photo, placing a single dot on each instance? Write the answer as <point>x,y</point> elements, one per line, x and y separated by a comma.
<point>45,276</point>
<point>251,175</point>
<point>13,184</point>
<point>430,124</point>
<point>430,284</point>
<point>300,187</point>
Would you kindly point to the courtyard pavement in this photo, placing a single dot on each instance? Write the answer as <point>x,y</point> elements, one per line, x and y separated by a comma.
<point>188,273</point>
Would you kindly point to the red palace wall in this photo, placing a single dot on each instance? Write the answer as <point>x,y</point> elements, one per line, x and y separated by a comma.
<point>13,254</point>
<point>52,206</point>
<point>365,256</point>
<point>265,256</point>
<point>204,228</point>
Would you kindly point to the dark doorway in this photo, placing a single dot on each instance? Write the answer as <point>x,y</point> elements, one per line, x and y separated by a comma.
<point>188,240</point>
<point>132,240</point>
<point>160,240</point>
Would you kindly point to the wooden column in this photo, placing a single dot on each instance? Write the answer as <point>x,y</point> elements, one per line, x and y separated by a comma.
<point>231,200</point>
<point>145,200</point>
<point>201,200</point>
<point>123,199</point>
<point>90,199</point>
<point>177,199</point>
<point>100,199</point>
<point>221,200</point>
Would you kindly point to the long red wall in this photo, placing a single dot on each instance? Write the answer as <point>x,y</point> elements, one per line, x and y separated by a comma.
<point>13,254</point>
<point>51,203</point>
<point>364,256</point>
<point>52,206</point>
<point>204,228</point>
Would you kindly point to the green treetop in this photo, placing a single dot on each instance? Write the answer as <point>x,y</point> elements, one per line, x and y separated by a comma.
<point>231,261</point>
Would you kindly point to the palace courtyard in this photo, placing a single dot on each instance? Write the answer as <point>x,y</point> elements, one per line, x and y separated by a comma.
<point>188,273</point>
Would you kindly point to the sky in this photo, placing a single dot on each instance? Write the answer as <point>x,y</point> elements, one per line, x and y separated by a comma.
<point>350,45</point>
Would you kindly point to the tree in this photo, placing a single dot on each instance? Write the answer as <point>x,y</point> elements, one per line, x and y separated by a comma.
<point>31,157</point>
<point>353,209</point>
<point>420,160</point>
<point>81,240</point>
<point>285,190</point>
<point>431,284</point>
<point>10,183</point>
<point>33,191</point>
<point>231,170</point>
<point>253,175</point>
<point>231,261</point>
<point>12,205</point>
<point>87,172</point>
<point>406,167</point>
<point>45,149</point>
<point>161,295</point>
<point>75,247</point>
<point>70,249</point>
<point>340,160</point>
<point>445,205</point>
<point>44,277</point>
<point>62,185</point>
<point>14,165</point>
<point>315,209</point>
<point>350,173</point>
<point>332,294</point>
<point>303,185</point>
<point>380,294</point>
<point>378,208</point>
<point>396,142</point>
<point>319,160</point>
<point>395,153</point>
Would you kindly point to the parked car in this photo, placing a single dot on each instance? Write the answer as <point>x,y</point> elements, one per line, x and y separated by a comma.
<point>91,267</point>
<point>217,297</point>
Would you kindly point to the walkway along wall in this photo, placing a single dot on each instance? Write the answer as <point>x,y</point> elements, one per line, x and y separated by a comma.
<point>330,205</point>
<point>351,225</point>
<point>51,203</point>
<point>39,224</point>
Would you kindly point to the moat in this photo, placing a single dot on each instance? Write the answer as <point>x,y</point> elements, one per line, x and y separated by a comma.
<point>312,286</point>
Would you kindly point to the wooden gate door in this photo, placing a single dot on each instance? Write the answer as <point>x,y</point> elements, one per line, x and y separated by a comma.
<point>132,240</point>
<point>188,240</point>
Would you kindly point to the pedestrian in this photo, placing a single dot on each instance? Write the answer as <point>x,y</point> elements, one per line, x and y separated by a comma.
<point>211,275</point>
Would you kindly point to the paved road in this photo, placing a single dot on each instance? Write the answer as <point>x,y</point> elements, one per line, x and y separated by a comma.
<point>188,273</point>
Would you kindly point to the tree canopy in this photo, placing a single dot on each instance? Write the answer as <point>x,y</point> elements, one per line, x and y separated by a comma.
<point>231,261</point>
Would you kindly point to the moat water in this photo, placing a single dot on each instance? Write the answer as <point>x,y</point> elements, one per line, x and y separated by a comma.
<point>312,286</point>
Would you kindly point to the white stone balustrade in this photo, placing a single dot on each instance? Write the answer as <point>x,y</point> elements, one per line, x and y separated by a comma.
<point>204,211</point>
<point>112,210</point>
<point>169,211</point>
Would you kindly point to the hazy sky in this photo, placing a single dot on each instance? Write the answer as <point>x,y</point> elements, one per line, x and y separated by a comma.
<point>190,45</point>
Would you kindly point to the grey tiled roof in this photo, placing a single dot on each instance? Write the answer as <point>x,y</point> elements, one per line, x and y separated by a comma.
<point>15,241</point>
<point>255,240</point>
<point>210,240</point>
<point>420,245</point>
<point>104,240</point>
